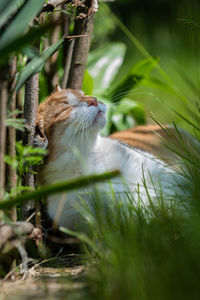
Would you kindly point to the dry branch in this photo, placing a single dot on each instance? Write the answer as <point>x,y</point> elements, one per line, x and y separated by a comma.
<point>83,26</point>
<point>30,115</point>
<point>51,71</point>
<point>31,106</point>
<point>68,61</point>
<point>14,231</point>
<point>11,136</point>
<point>3,104</point>
<point>67,48</point>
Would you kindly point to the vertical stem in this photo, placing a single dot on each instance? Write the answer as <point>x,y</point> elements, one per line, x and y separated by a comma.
<point>65,29</point>
<point>83,26</point>
<point>68,63</point>
<point>51,71</point>
<point>30,115</point>
<point>11,137</point>
<point>67,49</point>
<point>3,104</point>
<point>31,106</point>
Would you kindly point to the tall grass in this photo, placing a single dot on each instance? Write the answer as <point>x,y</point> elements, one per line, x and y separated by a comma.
<point>151,252</point>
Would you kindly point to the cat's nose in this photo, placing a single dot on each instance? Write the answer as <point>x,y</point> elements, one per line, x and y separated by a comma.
<point>92,101</point>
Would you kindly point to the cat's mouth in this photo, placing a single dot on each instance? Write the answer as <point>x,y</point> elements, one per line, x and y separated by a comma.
<point>100,117</point>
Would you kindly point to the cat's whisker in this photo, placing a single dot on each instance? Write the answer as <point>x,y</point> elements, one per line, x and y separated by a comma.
<point>125,90</point>
<point>119,95</point>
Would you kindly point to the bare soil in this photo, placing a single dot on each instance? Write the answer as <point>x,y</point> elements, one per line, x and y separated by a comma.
<point>58,278</point>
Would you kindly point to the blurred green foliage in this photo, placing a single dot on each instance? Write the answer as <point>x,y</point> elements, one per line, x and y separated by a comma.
<point>165,30</point>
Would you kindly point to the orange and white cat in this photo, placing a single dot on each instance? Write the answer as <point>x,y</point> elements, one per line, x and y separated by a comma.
<point>69,124</point>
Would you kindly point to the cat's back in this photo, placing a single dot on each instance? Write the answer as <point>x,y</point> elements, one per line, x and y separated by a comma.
<point>163,142</point>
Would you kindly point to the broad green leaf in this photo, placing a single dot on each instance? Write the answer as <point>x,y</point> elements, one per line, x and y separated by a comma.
<point>36,64</point>
<point>133,109</point>
<point>88,83</point>
<point>18,26</point>
<point>126,115</point>
<point>145,66</point>
<point>103,65</point>
<point>123,115</point>
<point>121,122</point>
<point>7,8</point>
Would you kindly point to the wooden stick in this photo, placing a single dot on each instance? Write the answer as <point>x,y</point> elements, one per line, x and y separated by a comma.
<point>16,229</point>
<point>51,69</point>
<point>68,63</point>
<point>11,137</point>
<point>3,104</point>
<point>30,115</point>
<point>67,48</point>
<point>83,26</point>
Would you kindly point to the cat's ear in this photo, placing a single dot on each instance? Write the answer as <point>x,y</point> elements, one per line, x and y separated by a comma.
<point>40,140</point>
<point>58,88</point>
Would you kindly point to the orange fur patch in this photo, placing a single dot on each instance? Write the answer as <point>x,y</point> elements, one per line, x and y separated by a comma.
<point>153,139</point>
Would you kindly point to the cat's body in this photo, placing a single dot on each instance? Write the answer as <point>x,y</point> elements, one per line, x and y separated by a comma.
<point>71,123</point>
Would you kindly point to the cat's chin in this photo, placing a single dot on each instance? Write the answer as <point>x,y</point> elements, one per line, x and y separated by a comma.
<point>99,120</point>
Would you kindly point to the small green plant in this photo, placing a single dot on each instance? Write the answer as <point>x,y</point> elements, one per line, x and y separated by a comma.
<point>26,157</point>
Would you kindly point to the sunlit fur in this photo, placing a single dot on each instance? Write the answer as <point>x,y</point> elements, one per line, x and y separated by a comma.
<point>70,122</point>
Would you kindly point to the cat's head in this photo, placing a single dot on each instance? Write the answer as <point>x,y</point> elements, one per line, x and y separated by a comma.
<point>67,114</point>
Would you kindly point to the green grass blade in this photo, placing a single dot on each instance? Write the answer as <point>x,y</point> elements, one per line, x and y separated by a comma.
<point>104,63</point>
<point>57,188</point>
<point>83,238</point>
<point>36,64</point>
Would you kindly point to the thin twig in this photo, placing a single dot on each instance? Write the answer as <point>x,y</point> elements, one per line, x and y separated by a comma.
<point>51,69</point>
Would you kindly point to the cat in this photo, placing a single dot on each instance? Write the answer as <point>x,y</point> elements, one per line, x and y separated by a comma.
<point>69,125</point>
